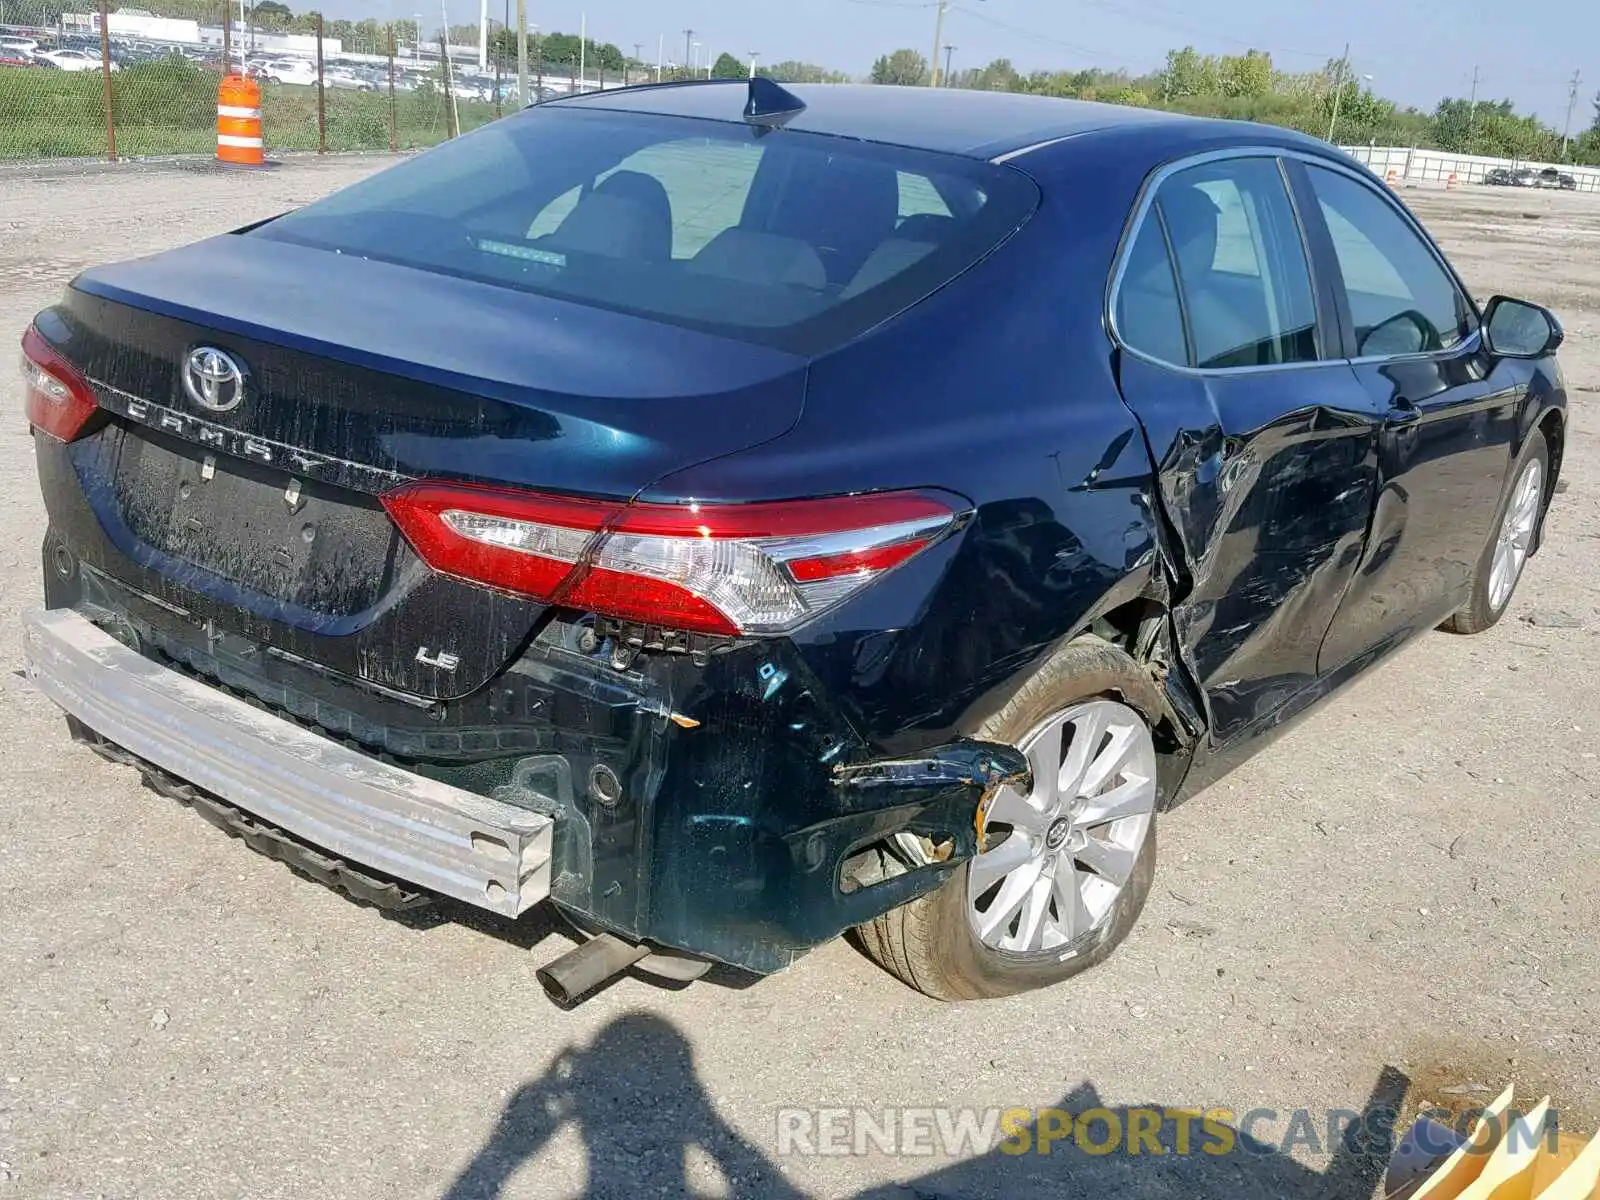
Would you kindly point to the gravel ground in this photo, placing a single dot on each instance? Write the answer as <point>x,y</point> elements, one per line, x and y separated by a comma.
<point>1399,895</point>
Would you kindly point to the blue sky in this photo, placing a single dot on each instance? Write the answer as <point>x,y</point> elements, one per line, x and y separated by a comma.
<point>1416,50</point>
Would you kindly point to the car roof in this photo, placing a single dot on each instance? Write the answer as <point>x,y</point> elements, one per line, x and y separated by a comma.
<point>960,121</point>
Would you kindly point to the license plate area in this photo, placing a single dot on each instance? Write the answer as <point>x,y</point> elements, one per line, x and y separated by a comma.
<point>319,547</point>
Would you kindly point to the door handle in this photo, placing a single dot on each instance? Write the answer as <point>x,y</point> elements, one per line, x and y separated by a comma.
<point>1402,412</point>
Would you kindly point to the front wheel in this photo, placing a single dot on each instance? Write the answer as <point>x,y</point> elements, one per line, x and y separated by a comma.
<point>1503,558</point>
<point>1063,870</point>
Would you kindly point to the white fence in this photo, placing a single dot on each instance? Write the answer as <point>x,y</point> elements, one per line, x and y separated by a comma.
<point>1437,167</point>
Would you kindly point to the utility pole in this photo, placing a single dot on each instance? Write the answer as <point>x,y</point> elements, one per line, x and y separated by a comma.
<point>583,50</point>
<point>499,66</point>
<point>483,35</point>
<point>948,49</point>
<point>522,52</point>
<point>1472,108</point>
<point>661,54</point>
<point>688,44</point>
<point>105,76</point>
<point>452,114</point>
<point>1338,90</point>
<point>1572,102</point>
<point>754,54</point>
<point>638,57</point>
<point>938,37</point>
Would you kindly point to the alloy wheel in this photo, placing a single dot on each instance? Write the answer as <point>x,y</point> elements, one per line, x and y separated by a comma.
<point>1516,534</point>
<point>1060,856</point>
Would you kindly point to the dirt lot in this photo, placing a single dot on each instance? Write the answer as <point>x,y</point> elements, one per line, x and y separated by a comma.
<point>1401,894</point>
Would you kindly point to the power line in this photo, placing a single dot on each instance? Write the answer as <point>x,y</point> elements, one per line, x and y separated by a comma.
<point>1035,35</point>
<point>1144,17</point>
<point>1032,34</point>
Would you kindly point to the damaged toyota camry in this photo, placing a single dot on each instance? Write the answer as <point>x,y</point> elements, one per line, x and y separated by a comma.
<point>738,515</point>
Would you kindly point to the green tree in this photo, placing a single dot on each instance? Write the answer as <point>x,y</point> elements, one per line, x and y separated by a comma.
<point>1190,73</point>
<point>728,67</point>
<point>791,71</point>
<point>1249,75</point>
<point>1063,84</point>
<point>1587,148</point>
<point>1460,125</point>
<point>1121,94</point>
<point>271,15</point>
<point>562,50</point>
<point>904,67</point>
<point>998,76</point>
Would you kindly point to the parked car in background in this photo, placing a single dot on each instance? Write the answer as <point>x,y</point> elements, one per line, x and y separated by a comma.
<point>290,70</point>
<point>72,60</point>
<point>18,48</point>
<point>346,78</point>
<point>1528,177</point>
<point>740,514</point>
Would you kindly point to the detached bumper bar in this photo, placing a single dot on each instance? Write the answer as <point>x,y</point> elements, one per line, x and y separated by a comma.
<point>491,855</point>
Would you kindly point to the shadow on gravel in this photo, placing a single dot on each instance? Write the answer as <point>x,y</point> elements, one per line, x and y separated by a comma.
<point>636,1102</point>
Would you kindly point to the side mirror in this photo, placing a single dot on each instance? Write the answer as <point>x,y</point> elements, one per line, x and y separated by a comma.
<point>1518,329</point>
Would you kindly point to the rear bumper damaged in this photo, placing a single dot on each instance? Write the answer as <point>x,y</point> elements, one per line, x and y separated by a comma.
<point>419,830</point>
<point>713,808</point>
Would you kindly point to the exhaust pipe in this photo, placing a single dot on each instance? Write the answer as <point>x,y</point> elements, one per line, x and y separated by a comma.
<point>584,968</point>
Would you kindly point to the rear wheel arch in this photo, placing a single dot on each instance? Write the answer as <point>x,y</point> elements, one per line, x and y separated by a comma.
<point>1553,424</point>
<point>1132,617</point>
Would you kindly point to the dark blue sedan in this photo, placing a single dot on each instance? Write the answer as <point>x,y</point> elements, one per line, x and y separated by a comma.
<point>738,515</point>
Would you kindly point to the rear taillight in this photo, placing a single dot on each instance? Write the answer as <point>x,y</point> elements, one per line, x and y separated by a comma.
<point>57,397</point>
<point>727,569</point>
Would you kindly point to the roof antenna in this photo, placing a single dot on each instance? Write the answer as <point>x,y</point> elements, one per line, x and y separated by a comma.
<point>770,103</point>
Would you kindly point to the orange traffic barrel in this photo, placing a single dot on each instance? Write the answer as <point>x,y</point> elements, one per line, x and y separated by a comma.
<point>239,122</point>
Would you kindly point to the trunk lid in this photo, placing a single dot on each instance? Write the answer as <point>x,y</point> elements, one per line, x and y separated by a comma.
<point>359,375</point>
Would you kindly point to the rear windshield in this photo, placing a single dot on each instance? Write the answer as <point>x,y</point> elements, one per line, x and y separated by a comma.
<point>790,239</point>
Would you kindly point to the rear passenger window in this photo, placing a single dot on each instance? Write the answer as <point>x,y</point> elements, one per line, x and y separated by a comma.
<point>1401,300</point>
<point>1232,247</point>
<point>1149,318</point>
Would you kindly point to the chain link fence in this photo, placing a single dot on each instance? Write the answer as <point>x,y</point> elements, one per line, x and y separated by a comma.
<point>67,90</point>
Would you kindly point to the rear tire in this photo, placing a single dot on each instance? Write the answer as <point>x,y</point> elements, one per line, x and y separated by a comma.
<point>934,943</point>
<point>1516,526</point>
